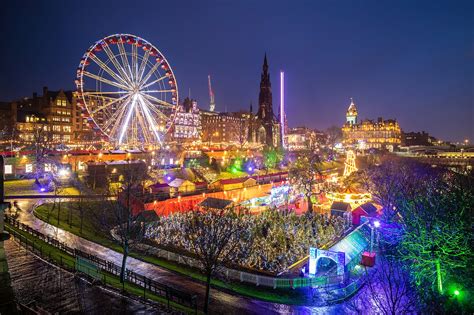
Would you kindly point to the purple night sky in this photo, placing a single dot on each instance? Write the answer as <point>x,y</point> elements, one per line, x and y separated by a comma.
<point>410,60</point>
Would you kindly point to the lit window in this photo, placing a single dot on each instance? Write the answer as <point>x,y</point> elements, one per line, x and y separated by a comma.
<point>64,103</point>
<point>8,169</point>
<point>47,167</point>
<point>29,168</point>
<point>67,128</point>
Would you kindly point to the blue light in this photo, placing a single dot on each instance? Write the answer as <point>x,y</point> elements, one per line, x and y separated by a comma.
<point>42,189</point>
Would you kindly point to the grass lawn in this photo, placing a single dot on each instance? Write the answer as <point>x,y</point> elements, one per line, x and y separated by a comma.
<point>91,233</point>
<point>59,257</point>
<point>28,187</point>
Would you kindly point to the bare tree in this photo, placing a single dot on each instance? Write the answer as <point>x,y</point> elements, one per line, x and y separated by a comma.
<point>386,183</point>
<point>389,287</point>
<point>41,141</point>
<point>115,210</point>
<point>218,238</point>
<point>334,135</point>
<point>305,173</point>
<point>243,132</point>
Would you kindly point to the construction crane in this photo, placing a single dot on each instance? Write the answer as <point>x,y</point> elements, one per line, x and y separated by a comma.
<point>212,105</point>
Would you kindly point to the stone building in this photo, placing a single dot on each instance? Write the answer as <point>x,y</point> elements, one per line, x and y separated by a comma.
<point>55,111</point>
<point>366,134</point>
<point>225,128</point>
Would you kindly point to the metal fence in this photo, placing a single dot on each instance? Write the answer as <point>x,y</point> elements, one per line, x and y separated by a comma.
<point>106,267</point>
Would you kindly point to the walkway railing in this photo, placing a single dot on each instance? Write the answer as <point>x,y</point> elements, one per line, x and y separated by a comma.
<point>246,277</point>
<point>105,266</point>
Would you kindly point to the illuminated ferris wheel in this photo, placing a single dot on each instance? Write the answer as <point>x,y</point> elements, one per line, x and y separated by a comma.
<point>127,90</point>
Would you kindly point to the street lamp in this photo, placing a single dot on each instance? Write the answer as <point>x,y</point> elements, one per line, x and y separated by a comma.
<point>374,225</point>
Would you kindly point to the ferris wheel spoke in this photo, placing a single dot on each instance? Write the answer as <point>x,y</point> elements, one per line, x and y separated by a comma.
<point>154,109</point>
<point>153,82</point>
<point>116,63</point>
<point>135,62</point>
<point>160,91</point>
<point>127,118</point>
<point>123,56</point>
<point>152,123</point>
<point>109,82</point>
<point>109,103</point>
<point>116,117</point>
<point>143,63</point>
<point>98,93</point>
<point>141,115</point>
<point>113,132</point>
<point>150,73</point>
<point>107,69</point>
<point>161,102</point>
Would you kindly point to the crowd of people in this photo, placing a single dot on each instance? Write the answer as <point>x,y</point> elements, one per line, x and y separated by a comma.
<point>280,238</point>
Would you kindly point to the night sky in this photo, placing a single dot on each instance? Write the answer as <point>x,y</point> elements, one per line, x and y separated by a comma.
<point>410,60</point>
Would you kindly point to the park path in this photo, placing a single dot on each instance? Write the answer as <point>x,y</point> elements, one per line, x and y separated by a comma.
<point>60,292</point>
<point>221,302</point>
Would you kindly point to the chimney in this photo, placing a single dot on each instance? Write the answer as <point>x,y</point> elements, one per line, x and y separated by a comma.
<point>45,91</point>
<point>35,95</point>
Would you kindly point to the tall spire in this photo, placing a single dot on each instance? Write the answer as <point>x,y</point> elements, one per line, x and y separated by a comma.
<point>265,103</point>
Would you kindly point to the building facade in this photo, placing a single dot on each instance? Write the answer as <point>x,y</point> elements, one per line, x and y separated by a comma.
<point>417,139</point>
<point>57,113</point>
<point>300,138</point>
<point>366,134</point>
<point>187,123</point>
<point>225,128</point>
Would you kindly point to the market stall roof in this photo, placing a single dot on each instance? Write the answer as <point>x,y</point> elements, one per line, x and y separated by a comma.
<point>351,245</point>
<point>215,203</point>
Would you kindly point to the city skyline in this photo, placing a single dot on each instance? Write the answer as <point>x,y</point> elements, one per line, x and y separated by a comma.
<point>396,73</point>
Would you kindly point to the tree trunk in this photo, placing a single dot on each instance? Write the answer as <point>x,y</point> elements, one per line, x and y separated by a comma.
<point>124,262</point>
<point>438,276</point>
<point>82,219</point>
<point>59,210</point>
<point>208,289</point>
<point>310,203</point>
<point>69,216</point>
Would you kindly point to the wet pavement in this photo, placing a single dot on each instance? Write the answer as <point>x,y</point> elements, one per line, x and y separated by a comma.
<point>221,302</point>
<point>41,285</point>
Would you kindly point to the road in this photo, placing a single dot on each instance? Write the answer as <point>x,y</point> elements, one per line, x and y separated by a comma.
<point>221,302</point>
